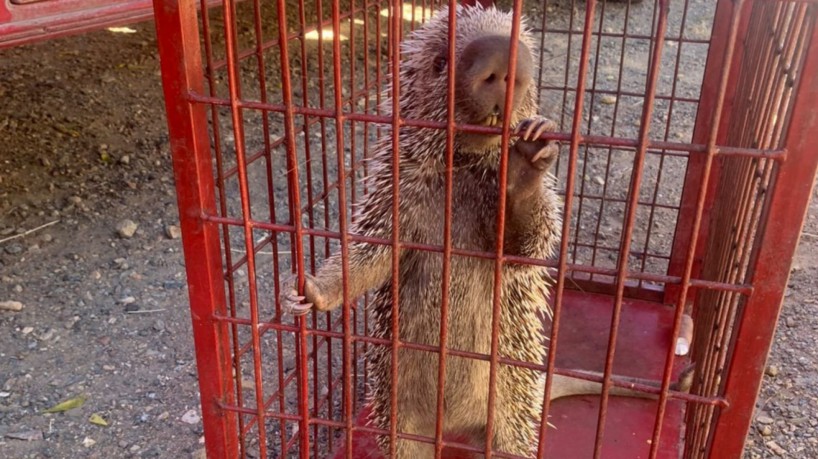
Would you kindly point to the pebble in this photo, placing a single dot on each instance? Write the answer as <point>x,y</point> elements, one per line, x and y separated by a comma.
<point>28,435</point>
<point>774,447</point>
<point>27,330</point>
<point>191,417</point>
<point>159,325</point>
<point>199,454</point>
<point>790,321</point>
<point>608,99</point>
<point>11,306</point>
<point>47,335</point>
<point>772,370</point>
<point>88,442</point>
<point>14,249</point>
<point>765,419</point>
<point>765,431</point>
<point>126,228</point>
<point>173,232</point>
<point>127,300</point>
<point>132,307</point>
<point>125,159</point>
<point>47,237</point>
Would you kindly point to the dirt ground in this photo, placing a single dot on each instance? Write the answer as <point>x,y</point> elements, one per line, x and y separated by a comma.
<point>83,147</point>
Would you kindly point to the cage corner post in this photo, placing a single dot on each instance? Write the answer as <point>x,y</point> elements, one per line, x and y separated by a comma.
<point>181,65</point>
<point>788,203</point>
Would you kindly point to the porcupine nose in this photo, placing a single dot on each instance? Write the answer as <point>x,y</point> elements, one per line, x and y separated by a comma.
<point>482,74</point>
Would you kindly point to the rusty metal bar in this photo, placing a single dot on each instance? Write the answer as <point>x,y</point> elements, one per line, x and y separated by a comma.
<point>787,205</point>
<point>630,217</point>
<point>395,118</point>
<point>190,147</point>
<point>559,288</point>
<point>447,232</point>
<point>342,223</point>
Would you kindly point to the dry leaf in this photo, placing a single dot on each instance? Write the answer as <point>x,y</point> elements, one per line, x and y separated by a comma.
<point>98,420</point>
<point>69,404</point>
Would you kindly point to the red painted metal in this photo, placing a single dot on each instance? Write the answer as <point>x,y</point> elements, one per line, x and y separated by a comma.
<point>789,195</point>
<point>645,331</point>
<point>25,23</point>
<point>272,385</point>
<point>190,147</point>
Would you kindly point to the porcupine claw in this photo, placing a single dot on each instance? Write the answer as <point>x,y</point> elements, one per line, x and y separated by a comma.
<point>530,131</point>
<point>291,301</point>
<point>293,304</point>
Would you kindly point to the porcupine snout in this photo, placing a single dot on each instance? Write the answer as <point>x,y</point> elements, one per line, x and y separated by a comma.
<point>482,74</point>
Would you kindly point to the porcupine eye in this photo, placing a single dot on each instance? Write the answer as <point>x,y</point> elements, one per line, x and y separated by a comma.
<point>439,64</point>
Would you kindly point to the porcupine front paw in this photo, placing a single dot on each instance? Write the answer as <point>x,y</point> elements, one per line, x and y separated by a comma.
<point>530,158</point>
<point>293,303</point>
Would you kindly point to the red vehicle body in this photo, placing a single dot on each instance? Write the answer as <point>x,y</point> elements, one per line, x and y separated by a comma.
<point>25,21</point>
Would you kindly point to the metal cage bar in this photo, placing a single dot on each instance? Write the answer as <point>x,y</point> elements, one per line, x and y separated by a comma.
<point>182,73</point>
<point>274,385</point>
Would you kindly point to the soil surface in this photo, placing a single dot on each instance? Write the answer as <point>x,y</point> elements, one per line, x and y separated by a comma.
<point>91,250</point>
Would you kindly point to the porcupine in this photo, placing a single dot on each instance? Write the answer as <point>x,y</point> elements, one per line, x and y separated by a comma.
<point>532,228</point>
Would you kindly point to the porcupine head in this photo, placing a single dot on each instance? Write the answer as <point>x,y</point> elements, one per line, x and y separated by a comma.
<point>424,82</point>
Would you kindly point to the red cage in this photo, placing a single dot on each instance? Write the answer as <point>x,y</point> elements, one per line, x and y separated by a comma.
<point>687,162</point>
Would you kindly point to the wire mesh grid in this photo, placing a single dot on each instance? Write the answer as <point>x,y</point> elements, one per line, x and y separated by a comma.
<point>289,86</point>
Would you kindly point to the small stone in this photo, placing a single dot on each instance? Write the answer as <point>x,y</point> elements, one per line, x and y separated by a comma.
<point>159,325</point>
<point>765,431</point>
<point>765,419</point>
<point>125,159</point>
<point>772,370</point>
<point>134,448</point>
<point>18,288</point>
<point>28,435</point>
<point>15,306</point>
<point>163,416</point>
<point>14,249</point>
<point>47,237</point>
<point>88,442</point>
<point>191,417</point>
<point>790,321</point>
<point>47,335</point>
<point>776,448</point>
<point>199,454</point>
<point>27,330</point>
<point>126,228</point>
<point>75,200</point>
<point>108,367</point>
<point>173,232</point>
<point>608,99</point>
<point>131,307</point>
<point>127,300</point>
<point>5,394</point>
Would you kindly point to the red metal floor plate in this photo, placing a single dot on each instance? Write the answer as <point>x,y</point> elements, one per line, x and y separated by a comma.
<point>644,337</point>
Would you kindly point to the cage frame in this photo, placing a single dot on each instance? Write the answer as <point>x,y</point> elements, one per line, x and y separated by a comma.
<point>187,104</point>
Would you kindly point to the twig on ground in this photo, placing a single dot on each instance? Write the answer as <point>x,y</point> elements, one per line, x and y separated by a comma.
<point>145,311</point>
<point>33,230</point>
